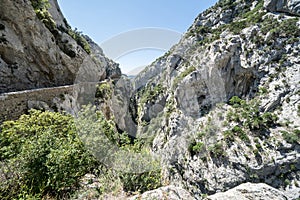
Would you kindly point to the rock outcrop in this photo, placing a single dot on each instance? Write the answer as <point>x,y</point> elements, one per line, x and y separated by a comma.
<point>250,191</point>
<point>167,192</point>
<point>207,141</point>
<point>244,191</point>
<point>286,6</point>
<point>37,49</point>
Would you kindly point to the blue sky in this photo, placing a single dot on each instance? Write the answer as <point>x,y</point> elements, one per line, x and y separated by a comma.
<point>103,20</point>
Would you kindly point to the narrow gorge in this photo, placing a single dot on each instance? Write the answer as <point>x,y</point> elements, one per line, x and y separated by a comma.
<point>219,113</point>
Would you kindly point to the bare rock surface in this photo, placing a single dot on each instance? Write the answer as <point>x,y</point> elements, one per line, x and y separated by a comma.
<point>33,55</point>
<point>250,191</point>
<point>167,192</point>
<point>286,6</point>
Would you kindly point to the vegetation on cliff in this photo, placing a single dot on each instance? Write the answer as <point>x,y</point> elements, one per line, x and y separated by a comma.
<point>221,109</point>
<point>42,155</point>
<point>41,9</point>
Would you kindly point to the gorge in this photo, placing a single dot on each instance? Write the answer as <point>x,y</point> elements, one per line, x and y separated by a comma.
<point>220,110</point>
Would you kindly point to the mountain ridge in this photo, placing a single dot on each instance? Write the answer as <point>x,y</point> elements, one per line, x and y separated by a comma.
<point>236,48</point>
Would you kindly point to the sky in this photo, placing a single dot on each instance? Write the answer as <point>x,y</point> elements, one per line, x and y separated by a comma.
<point>152,26</point>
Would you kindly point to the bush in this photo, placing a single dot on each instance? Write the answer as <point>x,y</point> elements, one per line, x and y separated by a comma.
<point>199,30</point>
<point>198,147</point>
<point>81,41</point>
<point>46,154</point>
<point>216,150</point>
<point>141,182</point>
<point>103,91</point>
<point>238,26</point>
<point>181,76</point>
<point>41,9</point>
<point>263,90</point>
<point>41,155</point>
<point>111,148</point>
<point>292,137</point>
<point>247,114</point>
<point>287,28</point>
<point>150,93</point>
<point>236,101</point>
<point>40,4</point>
<point>240,133</point>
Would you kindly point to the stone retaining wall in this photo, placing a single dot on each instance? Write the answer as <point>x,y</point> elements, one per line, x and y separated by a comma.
<point>14,104</point>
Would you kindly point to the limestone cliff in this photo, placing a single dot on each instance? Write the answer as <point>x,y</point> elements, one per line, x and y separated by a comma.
<point>220,109</point>
<point>39,49</point>
<point>223,104</point>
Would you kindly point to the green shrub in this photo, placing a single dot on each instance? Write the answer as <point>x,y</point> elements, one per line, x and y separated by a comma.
<point>199,30</point>
<point>141,182</point>
<point>111,147</point>
<point>42,155</point>
<point>243,20</point>
<point>251,13</point>
<point>247,114</point>
<point>40,4</point>
<point>269,119</point>
<point>103,91</point>
<point>226,4</point>
<point>199,145</point>
<point>292,137</point>
<point>181,76</point>
<point>263,90</point>
<point>238,26</point>
<point>236,101</point>
<point>268,24</point>
<point>201,134</point>
<point>292,40</point>
<point>45,152</point>
<point>81,41</point>
<point>216,150</point>
<point>286,28</point>
<point>289,28</point>
<point>229,135</point>
<point>150,93</point>
<point>196,147</point>
<point>170,107</point>
<point>41,9</point>
<point>240,133</point>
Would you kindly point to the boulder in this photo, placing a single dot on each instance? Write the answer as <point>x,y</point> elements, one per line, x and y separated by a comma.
<point>291,7</point>
<point>167,192</point>
<point>248,191</point>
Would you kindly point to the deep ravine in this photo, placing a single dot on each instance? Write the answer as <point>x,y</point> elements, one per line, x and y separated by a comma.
<point>219,112</point>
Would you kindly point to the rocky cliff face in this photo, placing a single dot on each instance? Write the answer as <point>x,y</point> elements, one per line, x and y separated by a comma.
<point>223,104</point>
<point>220,109</point>
<point>38,48</point>
<point>291,7</point>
